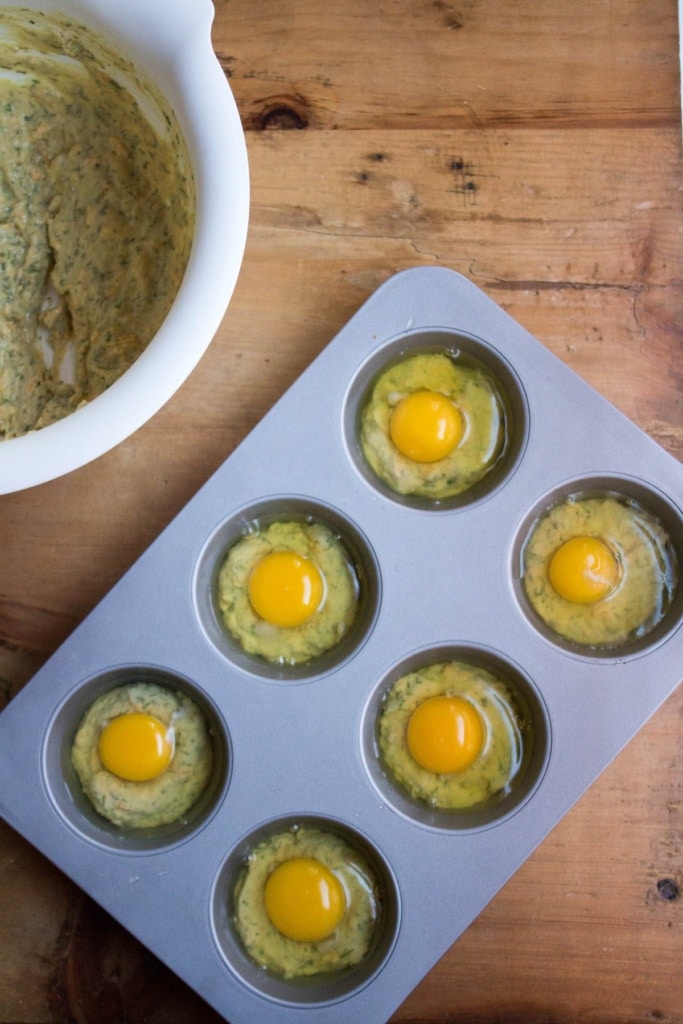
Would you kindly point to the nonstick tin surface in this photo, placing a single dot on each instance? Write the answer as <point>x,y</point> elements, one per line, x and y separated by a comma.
<point>296,745</point>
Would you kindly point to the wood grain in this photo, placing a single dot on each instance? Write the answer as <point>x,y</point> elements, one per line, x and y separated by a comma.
<point>536,148</point>
<point>442,64</point>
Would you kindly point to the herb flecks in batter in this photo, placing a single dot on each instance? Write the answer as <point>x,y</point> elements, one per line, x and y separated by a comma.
<point>96,217</point>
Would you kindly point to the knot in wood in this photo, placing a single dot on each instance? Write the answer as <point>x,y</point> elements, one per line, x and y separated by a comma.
<point>280,113</point>
<point>668,889</point>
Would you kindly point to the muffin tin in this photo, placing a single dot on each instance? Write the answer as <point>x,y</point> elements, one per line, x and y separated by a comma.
<point>296,745</point>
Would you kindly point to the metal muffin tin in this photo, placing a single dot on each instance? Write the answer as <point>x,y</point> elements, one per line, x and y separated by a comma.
<point>297,745</point>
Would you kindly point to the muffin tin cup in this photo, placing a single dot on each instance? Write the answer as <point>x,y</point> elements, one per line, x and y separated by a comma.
<point>472,351</point>
<point>535,735</point>
<point>64,788</point>
<point>316,990</point>
<point>298,743</point>
<point>626,488</point>
<point>257,516</point>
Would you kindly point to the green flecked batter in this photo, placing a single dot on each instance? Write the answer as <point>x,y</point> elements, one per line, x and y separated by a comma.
<point>471,389</point>
<point>505,730</point>
<point>328,624</point>
<point>349,942</point>
<point>647,570</point>
<point>169,796</point>
<point>96,217</point>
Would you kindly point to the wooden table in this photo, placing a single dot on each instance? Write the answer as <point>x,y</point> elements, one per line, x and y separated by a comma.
<point>535,147</point>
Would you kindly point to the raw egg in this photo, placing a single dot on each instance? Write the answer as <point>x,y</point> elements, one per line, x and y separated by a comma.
<point>426,426</point>
<point>136,746</point>
<point>599,570</point>
<point>304,899</point>
<point>452,735</point>
<point>433,425</point>
<point>445,734</point>
<point>143,753</point>
<point>285,589</point>
<point>288,591</point>
<point>584,570</point>
<point>306,902</point>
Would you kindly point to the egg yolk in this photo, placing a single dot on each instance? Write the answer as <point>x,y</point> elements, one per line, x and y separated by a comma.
<point>426,426</point>
<point>445,734</point>
<point>285,589</point>
<point>304,899</point>
<point>583,570</point>
<point>136,747</point>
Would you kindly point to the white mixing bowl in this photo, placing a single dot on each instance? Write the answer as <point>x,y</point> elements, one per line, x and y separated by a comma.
<point>169,41</point>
